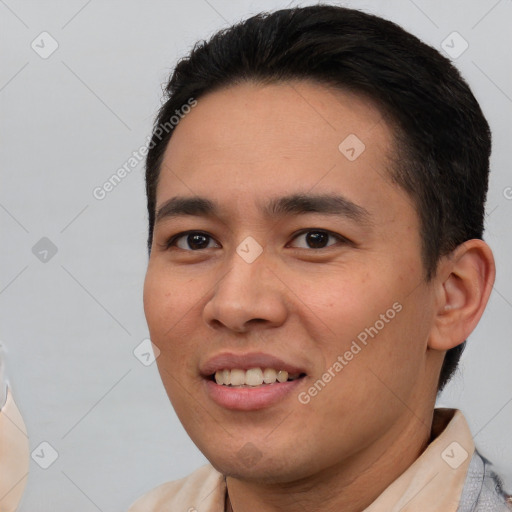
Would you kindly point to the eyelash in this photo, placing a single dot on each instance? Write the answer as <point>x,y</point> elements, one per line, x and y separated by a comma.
<point>172,240</point>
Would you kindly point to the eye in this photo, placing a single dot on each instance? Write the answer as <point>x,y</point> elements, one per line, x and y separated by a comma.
<point>307,239</point>
<point>318,239</point>
<point>191,241</point>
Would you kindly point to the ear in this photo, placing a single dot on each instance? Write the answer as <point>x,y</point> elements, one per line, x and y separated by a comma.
<point>463,284</point>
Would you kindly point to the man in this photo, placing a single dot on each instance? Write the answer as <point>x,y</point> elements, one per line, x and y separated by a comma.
<point>316,265</point>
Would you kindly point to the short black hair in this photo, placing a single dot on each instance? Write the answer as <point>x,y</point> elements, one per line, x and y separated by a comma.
<point>442,139</point>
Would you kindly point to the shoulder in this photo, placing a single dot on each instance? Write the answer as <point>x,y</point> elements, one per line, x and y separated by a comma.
<point>204,489</point>
<point>483,489</point>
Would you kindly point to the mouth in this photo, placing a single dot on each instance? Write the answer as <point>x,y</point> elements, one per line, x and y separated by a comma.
<point>253,377</point>
<point>248,382</point>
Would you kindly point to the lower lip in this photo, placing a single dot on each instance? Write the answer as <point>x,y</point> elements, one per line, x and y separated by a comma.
<point>250,398</point>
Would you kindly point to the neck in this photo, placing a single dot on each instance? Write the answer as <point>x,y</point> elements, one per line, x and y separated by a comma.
<point>336,488</point>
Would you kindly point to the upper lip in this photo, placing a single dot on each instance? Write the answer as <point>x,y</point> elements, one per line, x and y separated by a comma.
<point>230,360</point>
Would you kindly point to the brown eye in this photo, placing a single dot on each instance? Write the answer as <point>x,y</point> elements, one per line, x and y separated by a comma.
<point>192,241</point>
<point>316,239</point>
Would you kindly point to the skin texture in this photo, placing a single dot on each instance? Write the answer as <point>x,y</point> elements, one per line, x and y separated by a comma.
<point>239,147</point>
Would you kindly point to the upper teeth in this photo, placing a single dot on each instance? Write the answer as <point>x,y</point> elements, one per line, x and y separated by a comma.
<point>252,377</point>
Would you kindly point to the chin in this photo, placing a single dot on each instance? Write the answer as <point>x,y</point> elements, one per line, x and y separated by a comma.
<point>257,467</point>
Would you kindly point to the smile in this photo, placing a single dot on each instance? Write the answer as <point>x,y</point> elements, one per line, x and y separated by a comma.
<point>252,377</point>
<point>250,381</point>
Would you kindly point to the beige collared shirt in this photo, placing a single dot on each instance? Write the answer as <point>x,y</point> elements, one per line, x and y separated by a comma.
<point>433,483</point>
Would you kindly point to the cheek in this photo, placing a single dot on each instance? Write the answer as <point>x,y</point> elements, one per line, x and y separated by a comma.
<point>154,302</point>
<point>343,304</point>
<point>372,322</point>
<point>166,300</point>
<point>170,306</point>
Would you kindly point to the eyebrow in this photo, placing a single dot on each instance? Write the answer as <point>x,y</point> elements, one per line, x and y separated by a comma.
<point>295,204</point>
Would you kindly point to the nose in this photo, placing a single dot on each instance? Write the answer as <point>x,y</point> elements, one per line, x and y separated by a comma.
<point>248,296</point>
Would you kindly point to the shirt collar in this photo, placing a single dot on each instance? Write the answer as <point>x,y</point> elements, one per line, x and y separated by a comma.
<point>434,482</point>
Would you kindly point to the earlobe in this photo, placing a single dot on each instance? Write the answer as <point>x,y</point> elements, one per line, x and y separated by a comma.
<point>463,285</point>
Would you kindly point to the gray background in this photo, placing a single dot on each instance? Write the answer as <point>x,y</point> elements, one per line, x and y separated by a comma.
<point>71,323</point>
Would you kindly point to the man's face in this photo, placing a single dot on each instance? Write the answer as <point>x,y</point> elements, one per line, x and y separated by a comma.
<point>277,277</point>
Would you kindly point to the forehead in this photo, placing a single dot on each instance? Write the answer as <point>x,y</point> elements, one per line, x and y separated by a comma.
<point>250,140</point>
